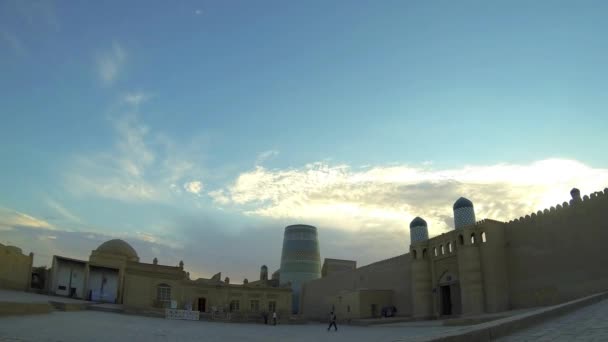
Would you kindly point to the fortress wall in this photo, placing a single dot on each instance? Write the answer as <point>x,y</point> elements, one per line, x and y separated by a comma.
<point>15,268</point>
<point>558,254</point>
<point>390,274</point>
<point>493,266</point>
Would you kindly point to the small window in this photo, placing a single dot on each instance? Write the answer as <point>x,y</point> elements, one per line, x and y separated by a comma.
<point>163,295</point>
<point>435,251</point>
<point>472,238</point>
<point>234,306</point>
<point>483,236</point>
<point>255,305</point>
<point>348,308</point>
<point>424,254</point>
<point>461,239</point>
<point>272,306</point>
<point>450,248</point>
<point>442,250</point>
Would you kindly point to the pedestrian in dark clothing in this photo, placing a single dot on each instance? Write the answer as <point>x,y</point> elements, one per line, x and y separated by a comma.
<point>265,315</point>
<point>332,321</point>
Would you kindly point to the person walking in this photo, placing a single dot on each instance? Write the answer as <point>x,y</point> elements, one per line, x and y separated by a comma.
<point>274,318</point>
<point>332,321</point>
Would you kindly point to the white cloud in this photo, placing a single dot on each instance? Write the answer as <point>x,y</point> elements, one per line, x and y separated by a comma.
<point>194,187</point>
<point>10,219</point>
<point>219,197</point>
<point>110,63</point>
<point>389,197</point>
<point>141,166</point>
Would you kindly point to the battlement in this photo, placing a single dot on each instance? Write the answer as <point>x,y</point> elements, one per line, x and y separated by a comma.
<point>487,220</point>
<point>564,207</point>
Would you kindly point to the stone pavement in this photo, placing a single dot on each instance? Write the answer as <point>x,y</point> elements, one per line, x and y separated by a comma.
<point>103,326</point>
<point>586,324</point>
<point>29,297</point>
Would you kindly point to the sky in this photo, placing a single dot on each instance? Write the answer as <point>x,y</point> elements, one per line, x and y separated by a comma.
<point>198,130</point>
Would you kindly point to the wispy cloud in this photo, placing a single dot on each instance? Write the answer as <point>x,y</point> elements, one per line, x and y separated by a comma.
<point>266,155</point>
<point>61,210</point>
<point>141,166</point>
<point>136,98</point>
<point>11,219</point>
<point>110,63</point>
<point>389,197</point>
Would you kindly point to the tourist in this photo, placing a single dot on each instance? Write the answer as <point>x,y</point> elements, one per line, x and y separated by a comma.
<point>332,321</point>
<point>274,318</point>
<point>265,315</point>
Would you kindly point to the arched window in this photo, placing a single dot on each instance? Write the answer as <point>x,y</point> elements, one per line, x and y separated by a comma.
<point>424,253</point>
<point>461,239</point>
<point>435,251</point>
<point>414,254</point>
<point>472,238</point>
<point>450,248</point>
<point>442,250</point>
<point>483,236</point>
<point>163,295</point>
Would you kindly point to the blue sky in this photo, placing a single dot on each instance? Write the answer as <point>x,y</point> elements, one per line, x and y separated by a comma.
<point>194,128</point>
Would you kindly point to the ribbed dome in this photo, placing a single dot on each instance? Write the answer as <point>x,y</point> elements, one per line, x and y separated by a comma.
<point>418,221</point>
<point>463,203</point>
<point>118,247</point>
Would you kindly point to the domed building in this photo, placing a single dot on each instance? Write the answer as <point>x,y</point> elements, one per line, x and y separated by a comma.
<point>115,274</point>
<point>117,248</point>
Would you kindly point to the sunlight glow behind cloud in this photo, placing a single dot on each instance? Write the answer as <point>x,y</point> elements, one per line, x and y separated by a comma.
<point>349,198</point>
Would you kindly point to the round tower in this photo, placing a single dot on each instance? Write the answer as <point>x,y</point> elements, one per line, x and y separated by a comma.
<point>464,213</point>
<point>421,281</point>
<point>418,230</point>
<point>300,259</point>
<point>263,272</point>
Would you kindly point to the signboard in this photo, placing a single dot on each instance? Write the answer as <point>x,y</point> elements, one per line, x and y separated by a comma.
<point>182,314</point>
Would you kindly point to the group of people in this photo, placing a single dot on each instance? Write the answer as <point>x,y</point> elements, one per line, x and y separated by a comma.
<point>274,317</point>
<point>332,319</point>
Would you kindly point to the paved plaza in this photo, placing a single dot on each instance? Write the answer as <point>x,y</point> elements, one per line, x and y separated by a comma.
<point>589,323</point>
<point>586,324</point>
<point>102,326</point>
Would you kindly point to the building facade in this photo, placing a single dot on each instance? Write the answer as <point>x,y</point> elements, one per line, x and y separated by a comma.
<point>115,274</point>
<point>15,268</point>
<point>486,266</point>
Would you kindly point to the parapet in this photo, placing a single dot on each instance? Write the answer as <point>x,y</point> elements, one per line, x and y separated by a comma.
<point>559,208</point>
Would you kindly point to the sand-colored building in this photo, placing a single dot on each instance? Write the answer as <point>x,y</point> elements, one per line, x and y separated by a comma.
<point>115,274</point>
<point>15,268</point>
<point>331,266</point>
<point>486,266</point>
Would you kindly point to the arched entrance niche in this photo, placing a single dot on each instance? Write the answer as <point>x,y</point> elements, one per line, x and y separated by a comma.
<point>449,294</point>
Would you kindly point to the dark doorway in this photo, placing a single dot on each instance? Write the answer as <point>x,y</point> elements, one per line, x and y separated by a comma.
<point>202,304</point>
<point>446,301</point>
